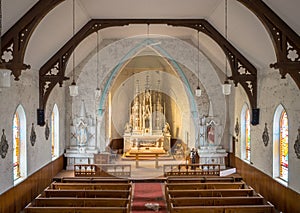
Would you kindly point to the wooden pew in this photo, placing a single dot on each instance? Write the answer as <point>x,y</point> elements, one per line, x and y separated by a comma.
<point>91,186</point>
<point>211,193</point>
<point>268,208</point>
<point>202,179</point>
<point>94,180</point>
<point>31,209</point>
<point>217,201</point>
<point>80,202</point>
<point>209,185</point>
<point>87,193</point>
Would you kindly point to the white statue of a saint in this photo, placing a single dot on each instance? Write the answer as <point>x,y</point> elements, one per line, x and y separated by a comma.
<point>82,134</point>
<point>128,128</point>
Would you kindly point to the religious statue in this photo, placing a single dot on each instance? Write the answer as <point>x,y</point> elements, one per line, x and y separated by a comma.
<point>147,109</point>
<point>166,128</point>
<point>81,132</point>
<point>128,128</point>
<point>210,134</point>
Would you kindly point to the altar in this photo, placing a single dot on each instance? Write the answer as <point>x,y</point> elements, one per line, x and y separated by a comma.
<point>147,128</point>
<point>82,142</point>
<point>210,150</point>
<point>213,155</point>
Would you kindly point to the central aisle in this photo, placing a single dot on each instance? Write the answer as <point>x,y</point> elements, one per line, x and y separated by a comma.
<point>145,194</point>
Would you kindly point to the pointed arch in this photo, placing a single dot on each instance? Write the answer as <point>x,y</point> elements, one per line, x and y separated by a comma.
<point>19,145</point>
<point>245,134</point>
<point>55,132</point>
<point>167,56</point>
<point>280,144</point>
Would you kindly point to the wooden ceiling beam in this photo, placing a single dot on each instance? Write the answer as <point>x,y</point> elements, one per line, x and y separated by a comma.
<point>240,66</point>
<point>14,41</point>
<point>285,40</point>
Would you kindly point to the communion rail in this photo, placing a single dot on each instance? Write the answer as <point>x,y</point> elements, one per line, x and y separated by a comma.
<point>191,170</point>
<point>102,170</point>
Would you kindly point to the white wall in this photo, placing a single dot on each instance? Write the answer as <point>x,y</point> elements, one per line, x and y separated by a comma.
<point>25,92</point>
<point>272,91</point>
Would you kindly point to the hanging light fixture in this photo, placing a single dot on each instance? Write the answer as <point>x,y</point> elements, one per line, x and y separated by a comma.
<point>198,90</point>
<point>4,72</point>
<point>73,87</point>
<point>98,90</point>
<point>226,87</point>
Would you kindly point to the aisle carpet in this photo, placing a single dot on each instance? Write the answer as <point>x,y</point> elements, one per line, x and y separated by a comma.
<point>148,194</point>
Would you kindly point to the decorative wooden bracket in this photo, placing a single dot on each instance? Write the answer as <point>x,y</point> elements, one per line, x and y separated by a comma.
<point>243,71</point>
<point>285,40</point>
<point>53,71</point>
<point>15,40</point>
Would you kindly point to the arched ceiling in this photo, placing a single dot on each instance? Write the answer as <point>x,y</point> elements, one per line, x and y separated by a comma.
<point>244,29</point>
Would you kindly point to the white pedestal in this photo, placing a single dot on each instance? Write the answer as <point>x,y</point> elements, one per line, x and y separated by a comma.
<point>213,155</point>
<point>79,155</point>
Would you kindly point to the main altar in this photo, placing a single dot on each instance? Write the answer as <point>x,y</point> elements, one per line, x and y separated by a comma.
<point>147,129</point>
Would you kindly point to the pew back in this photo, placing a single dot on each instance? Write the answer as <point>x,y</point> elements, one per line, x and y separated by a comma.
<point>91,186</point>
<point>209,185</point>
<point>211,193</point>
<point>216,201</point>
<point>94,180</point>
<point>81,202</point>
<point>87,193</point>
<point>268,208</point>
<point>31,209</point>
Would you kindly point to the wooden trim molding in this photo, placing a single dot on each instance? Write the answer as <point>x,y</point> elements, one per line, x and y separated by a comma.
<point>16,198</point>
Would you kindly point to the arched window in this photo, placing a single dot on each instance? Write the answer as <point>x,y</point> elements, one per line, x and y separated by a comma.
<point>245,133</point>
<point>280,144</point>
<point>19,145</point>
<point>55,132</point>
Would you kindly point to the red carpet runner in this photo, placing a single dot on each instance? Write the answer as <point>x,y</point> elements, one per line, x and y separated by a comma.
<point>145,194</point>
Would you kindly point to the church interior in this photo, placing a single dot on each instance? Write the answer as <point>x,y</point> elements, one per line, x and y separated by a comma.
<point>168,99</point>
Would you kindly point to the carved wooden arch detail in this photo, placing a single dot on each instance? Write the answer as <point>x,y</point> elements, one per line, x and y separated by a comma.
<point>14,41</point>
<point>285,40</point>
<point>53,71</point>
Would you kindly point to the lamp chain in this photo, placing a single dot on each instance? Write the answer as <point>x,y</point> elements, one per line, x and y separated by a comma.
<point>198,60</point>
<point>0,31</point>
<point>97,70</point>
<point>226,36</point>
<point>73,44</point>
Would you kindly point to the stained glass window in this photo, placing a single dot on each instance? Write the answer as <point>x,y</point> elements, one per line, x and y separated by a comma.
<point>284,146</point>
<point>16,146</point>
<point>52,135</point>
<point>55,132</point>
<point>247,134</point>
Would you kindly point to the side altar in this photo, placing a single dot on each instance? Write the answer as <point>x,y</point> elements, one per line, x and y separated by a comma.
<point>210,150</point>
<point>83,142</point>
<point>147,128</point>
